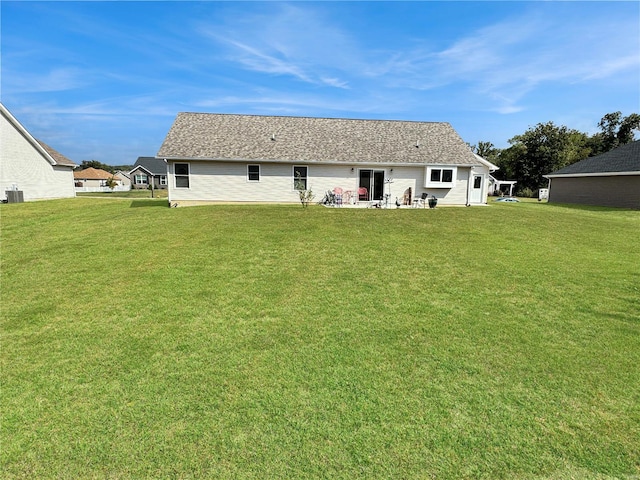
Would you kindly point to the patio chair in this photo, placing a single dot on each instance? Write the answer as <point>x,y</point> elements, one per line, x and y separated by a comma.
<point>421,200</point>
<point>363,194</point>
<point>337,192</point>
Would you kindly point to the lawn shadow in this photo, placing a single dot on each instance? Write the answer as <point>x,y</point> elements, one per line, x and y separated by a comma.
<point>149,203</point>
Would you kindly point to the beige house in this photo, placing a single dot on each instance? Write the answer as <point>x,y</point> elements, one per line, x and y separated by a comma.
<point>96,180</point>
<point>264,159</point>
<point>29,166</point>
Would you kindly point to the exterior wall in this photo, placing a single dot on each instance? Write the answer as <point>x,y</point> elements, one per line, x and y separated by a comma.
<point>228,182</point>
<point>89,182</point>
<point>486,185</point>
<point>611,191</point>
<point>23,165</point>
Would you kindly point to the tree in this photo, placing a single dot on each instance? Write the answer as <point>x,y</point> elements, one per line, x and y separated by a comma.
<point>615,130</point>
<point>486,150</point>
<point>541,150</point>
<point>306,196</point>
<point>112,183</point>
<point>96,164</point>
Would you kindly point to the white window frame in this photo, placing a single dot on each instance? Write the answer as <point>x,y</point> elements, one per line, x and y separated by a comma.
<point>163,180</point>
<point>305,178</point>
<point>429,183</point>
<point>140,179</point>
<point>188,175</point>
<point>249,179</point>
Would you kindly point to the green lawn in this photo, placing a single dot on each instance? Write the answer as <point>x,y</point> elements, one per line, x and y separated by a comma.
<point>133,193</point>
<point>140,341</point>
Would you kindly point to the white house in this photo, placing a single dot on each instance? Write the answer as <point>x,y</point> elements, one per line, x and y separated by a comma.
<point>263,159</point>
<point>30,166</point>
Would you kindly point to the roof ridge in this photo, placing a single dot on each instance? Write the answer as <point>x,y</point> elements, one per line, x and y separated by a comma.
<point>313,118</point>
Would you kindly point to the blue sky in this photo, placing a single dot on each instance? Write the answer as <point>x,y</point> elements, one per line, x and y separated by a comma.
<point>104,80</point>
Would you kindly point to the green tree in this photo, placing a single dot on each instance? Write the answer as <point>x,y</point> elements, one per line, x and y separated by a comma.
<point>486,150</point>
<point>112,183</point>
<point>96,164</point>
<point>541,150</point>
<point>615,130</point>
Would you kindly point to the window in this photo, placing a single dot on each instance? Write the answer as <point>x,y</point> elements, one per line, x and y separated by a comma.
<point>441,177</point>
<point>181,172</point>
<point>140,179</point>
<point>163,179</point>
<point>253,173</point>
<point>299,178</point>
<point>477,181</point>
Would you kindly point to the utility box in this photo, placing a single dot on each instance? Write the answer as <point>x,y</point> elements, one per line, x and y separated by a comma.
<point>14,196</point>
<point>543,194</point>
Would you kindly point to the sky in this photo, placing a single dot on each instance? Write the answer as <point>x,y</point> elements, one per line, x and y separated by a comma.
<point>105,80</point>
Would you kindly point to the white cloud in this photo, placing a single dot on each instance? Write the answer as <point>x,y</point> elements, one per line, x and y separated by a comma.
<point>287,40</point>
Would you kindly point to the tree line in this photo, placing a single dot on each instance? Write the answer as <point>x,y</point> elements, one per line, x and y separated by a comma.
<point>547,147</point>
<point>104,166</point>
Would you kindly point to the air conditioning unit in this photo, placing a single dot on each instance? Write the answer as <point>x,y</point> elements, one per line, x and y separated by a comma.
<point>14,196</point>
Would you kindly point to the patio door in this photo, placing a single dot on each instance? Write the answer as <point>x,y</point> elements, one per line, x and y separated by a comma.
<point>476,190</point>
<point>373,181</point>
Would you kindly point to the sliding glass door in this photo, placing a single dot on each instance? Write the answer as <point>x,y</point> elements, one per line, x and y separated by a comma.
<point>373,181</point>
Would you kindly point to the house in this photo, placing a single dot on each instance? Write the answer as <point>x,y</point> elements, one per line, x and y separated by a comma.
<point>146,170</point>
<point>611,179</point>
<point>495,186</point>
<point>124,177</point>
<point>29,166</point>
<point>96,180</point>
<point>501,187</point>
<point>252,158</point>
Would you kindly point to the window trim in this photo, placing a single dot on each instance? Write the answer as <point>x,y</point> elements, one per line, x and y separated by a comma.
<point>249,179</point>
<point>188,175</point>
<point>144,179</point>
<point>163,180</point>
<point>305,178</point>
<point>439,183</point>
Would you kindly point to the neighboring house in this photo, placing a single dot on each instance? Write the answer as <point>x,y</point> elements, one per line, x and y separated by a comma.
<point>250,158</point>
<point>124,177</point>
<point>146,170</point>
<point>501,187</point>
<point>96,180</point>
<point>30,166</point>
<point>611,179</point>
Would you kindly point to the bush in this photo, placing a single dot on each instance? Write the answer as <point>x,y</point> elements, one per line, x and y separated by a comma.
<point>527,192</point>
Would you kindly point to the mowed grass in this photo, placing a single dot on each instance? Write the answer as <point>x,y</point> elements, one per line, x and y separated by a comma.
<point>140,341</point>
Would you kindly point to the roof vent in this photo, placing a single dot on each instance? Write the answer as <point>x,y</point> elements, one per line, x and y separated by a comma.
<point>417,143</point>
<point>273,137</point>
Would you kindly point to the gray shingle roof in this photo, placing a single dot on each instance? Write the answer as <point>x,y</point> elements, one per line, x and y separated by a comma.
<point>153,165</point>
<point>308,139</point>
<point>57,156</point>
<point>622,159</point>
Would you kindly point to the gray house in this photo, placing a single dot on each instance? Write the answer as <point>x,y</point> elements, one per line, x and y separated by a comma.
<point>611,179</point>
<point>263,159</point>
<point>148,171</point>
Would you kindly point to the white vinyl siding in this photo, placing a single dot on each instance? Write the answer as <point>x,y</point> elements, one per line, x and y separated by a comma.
<point>227,182</point>
<point>23,165</point>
